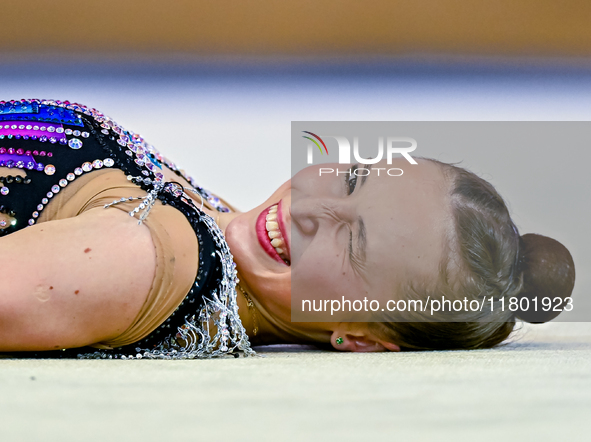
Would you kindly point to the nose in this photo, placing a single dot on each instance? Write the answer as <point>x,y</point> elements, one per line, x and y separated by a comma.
<point>309,213</point>
<point>304,214</point>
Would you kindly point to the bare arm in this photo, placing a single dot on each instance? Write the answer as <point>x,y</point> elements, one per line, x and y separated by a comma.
<point>73,282</point>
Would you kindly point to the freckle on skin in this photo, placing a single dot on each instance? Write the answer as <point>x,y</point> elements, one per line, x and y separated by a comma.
<point>88,249</point>
<point>50,287</point>
<point>76,292</point>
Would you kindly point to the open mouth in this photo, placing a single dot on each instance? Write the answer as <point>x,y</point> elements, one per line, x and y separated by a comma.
<point>270,232</point>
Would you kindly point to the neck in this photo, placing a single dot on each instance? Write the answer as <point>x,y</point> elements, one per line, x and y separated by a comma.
<point>254,316</point>
<point>271,329</point>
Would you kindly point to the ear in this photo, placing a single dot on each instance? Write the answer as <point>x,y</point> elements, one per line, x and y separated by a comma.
<point>359,339</point>
<point>389,346</point>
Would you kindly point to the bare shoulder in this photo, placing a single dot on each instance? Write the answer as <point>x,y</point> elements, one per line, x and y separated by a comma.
<point>73,282</point>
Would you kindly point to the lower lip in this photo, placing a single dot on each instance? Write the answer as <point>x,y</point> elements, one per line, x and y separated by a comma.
<point>263,236</point>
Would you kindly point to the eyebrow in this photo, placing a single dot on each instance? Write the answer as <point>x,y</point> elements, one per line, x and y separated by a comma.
<point>361,232</point>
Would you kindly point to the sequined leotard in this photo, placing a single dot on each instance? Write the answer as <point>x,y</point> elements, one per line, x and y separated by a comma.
<point>57,142</point>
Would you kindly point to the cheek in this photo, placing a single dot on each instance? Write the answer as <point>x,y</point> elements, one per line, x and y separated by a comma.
<point>311,182</point>
<point>328,284</point>
<point>321,275</point>
<point>306,279</point>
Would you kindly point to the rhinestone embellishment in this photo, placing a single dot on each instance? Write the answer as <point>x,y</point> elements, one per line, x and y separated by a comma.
<point>75,143</point>
<point>193,339</point>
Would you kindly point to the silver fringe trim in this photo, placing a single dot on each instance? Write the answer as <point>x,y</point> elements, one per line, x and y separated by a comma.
<point>193,339</point>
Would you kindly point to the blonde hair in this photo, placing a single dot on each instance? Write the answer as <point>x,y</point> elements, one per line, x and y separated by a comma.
<point>487,260</point>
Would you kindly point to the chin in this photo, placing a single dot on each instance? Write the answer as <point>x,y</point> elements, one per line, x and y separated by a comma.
<point>261,274</point>
<point>236,237</point>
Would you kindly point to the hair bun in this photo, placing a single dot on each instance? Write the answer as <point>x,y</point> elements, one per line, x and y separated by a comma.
<point>548,272</point>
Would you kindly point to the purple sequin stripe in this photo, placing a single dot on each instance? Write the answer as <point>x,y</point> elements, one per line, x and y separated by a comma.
<point>19,160</point>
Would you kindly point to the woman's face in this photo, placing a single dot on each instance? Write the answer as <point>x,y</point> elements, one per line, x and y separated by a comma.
<point>344,234</point>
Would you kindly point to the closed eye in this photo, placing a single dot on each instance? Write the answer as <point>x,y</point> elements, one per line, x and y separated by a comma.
<point>357,253</point>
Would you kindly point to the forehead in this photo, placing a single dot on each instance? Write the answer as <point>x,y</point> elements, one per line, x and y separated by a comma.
<point>407,219</point>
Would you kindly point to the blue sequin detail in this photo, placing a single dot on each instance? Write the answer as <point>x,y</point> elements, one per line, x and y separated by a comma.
<point>35,112</point>
<point>18,107</point>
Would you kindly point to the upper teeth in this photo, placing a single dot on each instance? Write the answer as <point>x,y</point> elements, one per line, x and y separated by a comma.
<point>274,233</point>
<point>277,242</point>
<point>272,225</point>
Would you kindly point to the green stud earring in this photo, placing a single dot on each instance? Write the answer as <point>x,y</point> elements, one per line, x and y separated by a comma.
<point>339,340</point>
